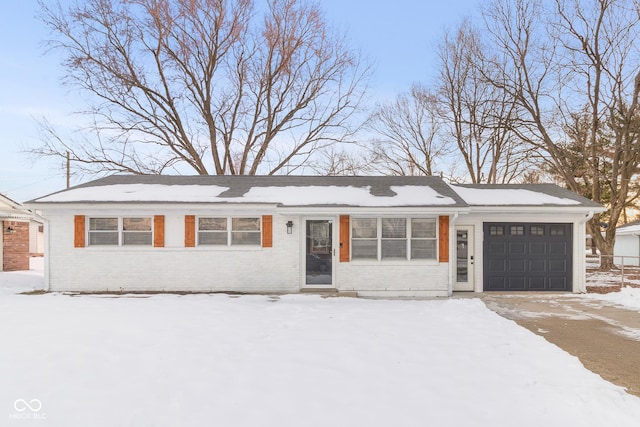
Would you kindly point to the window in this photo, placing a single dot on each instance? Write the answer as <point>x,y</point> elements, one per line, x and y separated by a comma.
<point>136,231</point>
<point>245,231</point>
<point>223,231</point>
<point>537,230</point>
<point>556,230</point>
<point>103,231</point>
<point>364,238</point>
<point>496,230</point>
<point>116,231</point>
<point>423,238</point>
<point>212,231</point>
<point>516,230</point>
<point>393,238</point>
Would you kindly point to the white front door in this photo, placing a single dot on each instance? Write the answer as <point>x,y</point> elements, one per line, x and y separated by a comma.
<point>318,253</point>
<point>463,273</point>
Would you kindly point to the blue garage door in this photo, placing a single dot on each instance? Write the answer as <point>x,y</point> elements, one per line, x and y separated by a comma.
<point>527,256</point>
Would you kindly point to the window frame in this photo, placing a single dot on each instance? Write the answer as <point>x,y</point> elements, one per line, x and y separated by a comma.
<point>120,231</point>
<point>408,239</point>
<point>229,231</point>
<point>225,232</point>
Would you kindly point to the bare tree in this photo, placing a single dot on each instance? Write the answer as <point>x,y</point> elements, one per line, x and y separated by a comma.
<point>478,115</point>
<point>213,84</point>
<point>407,130</point>
<point>568,59</point>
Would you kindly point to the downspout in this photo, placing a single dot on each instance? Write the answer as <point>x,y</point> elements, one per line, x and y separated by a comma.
<point>46,255</point>
<point>452,254</point>
<point>583,271</point>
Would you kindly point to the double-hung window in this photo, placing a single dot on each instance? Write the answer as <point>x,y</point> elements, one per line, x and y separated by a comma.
<point>393,238</point>
<point>225,231</point>
<point>103,231</point>
<point>137,231</point>
<point>393,244</point>
<point>364,238</point>
<point>212,231</point>
<point>114,231</point>
<point>423,238</point>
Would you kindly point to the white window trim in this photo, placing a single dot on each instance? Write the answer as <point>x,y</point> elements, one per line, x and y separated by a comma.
<point>120,231</point>
<point>408,238</point>
<point>229,231</point>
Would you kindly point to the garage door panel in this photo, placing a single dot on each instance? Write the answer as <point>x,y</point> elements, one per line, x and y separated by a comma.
<point>516,283</point>
<point>497,248</point>
<point>558,283</point>
<point>557,266</point>
<point>536,257</point>
<point>497,283</point>
<point>497,266</point>
<point>558,248</point>
<point>517,248</point>
<point>538,248</point>
<point>517,265</point>
<point>537,283</point>
<point>537,266</point>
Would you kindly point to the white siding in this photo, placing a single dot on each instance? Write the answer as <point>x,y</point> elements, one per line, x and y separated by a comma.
<point>627,246</point>
<point>579,236</point>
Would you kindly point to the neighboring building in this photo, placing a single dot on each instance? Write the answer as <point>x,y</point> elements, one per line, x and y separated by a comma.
<point>627,244</point>
<point>14,238</point>
<point>377,236</point>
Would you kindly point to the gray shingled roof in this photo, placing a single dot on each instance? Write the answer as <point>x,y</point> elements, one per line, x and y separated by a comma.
<point>380,186</point>
<point>546,189</point>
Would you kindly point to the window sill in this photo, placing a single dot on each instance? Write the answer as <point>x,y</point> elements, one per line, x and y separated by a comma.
<point>388,262</point>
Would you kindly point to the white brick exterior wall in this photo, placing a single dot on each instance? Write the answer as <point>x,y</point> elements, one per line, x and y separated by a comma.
<point>173,267</point>
<point>276,269</point>
<point>429,279</point>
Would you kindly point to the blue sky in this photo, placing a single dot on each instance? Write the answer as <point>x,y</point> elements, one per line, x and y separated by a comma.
<point>399,37</point>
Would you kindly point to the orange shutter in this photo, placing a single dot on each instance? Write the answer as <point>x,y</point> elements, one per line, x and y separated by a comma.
<point>189,231</point>
<point>158,231</point>
<point>344,238</point>
<point>78,231</point>
<point>267,231</point>
<point>443,239</point>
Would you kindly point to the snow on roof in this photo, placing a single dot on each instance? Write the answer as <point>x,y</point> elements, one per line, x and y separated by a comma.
<point>518,195</point>
<point>286,195</point>
<point>12,210</point>
<point>358,191</point>
<point>629,229</point>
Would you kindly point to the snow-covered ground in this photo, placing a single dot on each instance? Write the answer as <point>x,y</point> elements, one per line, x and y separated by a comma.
<point>297,360</point>
<point>627,297</point>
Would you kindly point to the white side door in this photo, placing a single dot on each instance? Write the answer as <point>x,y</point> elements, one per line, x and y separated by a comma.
<point>464,260</point>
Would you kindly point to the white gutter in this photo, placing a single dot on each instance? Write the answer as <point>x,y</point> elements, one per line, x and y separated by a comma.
<point>587,217</point>
<point>452,254</point>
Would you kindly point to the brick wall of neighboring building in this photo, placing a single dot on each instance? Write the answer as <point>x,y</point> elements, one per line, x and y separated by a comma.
<point>15,254</point>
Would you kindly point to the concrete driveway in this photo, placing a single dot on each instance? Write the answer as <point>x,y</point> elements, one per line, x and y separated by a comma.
<point>605,337</point>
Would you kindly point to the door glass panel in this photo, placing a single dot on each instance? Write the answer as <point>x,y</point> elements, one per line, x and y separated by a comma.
<point>319,247</point>
<point>462,251</point>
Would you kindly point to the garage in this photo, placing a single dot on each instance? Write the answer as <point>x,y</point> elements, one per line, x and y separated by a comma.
<point>527,256</point>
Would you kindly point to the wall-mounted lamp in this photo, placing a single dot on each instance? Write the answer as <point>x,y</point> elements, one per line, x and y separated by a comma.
<point>10,230</point>
<point>289,227</point>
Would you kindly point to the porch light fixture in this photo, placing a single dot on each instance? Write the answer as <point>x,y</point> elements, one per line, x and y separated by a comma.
<point>289,227</point>
<point>10,230</point>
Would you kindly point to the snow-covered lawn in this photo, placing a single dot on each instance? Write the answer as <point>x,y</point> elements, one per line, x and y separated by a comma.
<point>627,297</point>
<point>296,360</point>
